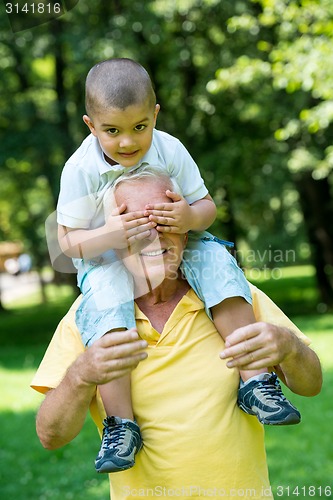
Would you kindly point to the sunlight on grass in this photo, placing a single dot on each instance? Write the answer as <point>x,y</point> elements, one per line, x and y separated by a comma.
<point>54,293</point>
<point>15,393</point>
<point>293,289</point>
<point>322,344</point>
<point>279,272</point>
<point>319,329</point>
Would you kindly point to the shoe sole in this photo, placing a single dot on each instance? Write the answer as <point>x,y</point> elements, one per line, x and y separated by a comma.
<point>109,467</point>
<point>291,419</point>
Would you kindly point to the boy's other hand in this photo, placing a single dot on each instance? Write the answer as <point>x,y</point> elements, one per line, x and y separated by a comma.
<point>173,217</point>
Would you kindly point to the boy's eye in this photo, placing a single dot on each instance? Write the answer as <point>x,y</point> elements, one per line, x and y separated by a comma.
<point>112,131</point>
<point>140,127</point>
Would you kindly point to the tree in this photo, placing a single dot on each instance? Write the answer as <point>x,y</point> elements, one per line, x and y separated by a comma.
<point>235,84</point>
<point>288,46</point>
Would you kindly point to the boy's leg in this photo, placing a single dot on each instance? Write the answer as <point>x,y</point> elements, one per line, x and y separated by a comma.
<point>116,397</point>
<point>229,315</point>
<point>219,282</point>
<point>259,393</point>
<point>121,434</point>
<point>108,305</point>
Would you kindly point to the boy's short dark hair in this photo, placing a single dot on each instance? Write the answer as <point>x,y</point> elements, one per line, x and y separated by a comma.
<point>117,83</point>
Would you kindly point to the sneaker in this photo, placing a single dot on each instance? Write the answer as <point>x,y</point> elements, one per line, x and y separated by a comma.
<point>120,443</point>
<point>263,398</point>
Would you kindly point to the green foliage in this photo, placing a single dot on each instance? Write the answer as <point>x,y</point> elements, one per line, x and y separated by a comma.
<point>245,85</point>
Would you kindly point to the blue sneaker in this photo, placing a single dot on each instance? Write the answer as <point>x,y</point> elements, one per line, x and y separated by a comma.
<point>120,443</point>
<point>263,398</point>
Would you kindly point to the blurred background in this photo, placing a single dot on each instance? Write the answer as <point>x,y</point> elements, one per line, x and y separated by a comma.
<point>247,86</point>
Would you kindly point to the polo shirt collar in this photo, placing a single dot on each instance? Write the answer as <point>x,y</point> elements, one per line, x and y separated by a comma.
<point>190,300</point>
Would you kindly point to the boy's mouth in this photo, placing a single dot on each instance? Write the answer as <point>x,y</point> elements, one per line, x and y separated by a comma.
<point>129,154</point>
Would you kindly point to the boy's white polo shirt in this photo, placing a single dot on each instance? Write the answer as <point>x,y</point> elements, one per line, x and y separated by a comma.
<point>87,176</point>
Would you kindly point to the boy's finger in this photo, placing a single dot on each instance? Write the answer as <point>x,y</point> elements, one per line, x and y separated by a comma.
<point>174,196</point>
<point>138,224</point>
<point>135,215</point>
<point>118,210</point>
<point>161,219</point>
<point>154,209</point>
<point>167,229</point>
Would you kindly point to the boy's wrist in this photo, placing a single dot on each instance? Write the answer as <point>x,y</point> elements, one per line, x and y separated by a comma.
<point>197,222</point>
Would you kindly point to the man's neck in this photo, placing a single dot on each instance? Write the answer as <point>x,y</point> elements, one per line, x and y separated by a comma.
<point>159,303</point>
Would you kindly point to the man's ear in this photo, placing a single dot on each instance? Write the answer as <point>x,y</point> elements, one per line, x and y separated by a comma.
<point>89,124</point>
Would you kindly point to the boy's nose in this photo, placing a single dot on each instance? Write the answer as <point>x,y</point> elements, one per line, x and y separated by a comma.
<point>126,141</point>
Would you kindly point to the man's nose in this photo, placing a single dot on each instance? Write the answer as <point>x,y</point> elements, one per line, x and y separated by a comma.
<point>153,235</point>
<point>148,240</point>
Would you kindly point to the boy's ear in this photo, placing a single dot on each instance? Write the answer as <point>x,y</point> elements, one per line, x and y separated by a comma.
<point>157,108</point>
<point>89,124</point>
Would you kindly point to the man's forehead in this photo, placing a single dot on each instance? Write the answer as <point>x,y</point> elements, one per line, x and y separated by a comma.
<point>137,194</point>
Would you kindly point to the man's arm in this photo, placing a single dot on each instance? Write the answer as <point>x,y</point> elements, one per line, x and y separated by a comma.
<point>265,345</point>
<point>62,413</point>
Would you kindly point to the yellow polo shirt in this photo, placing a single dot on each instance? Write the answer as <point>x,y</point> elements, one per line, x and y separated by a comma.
<point>197,442</point>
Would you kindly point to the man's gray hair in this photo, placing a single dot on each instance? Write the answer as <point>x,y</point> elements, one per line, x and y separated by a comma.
<point>148,171</point>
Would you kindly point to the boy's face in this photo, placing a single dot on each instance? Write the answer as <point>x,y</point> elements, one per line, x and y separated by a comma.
<point>125,135</point>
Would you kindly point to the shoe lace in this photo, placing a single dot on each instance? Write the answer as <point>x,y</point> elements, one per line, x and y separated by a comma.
<point>113,436</point>
<point>272,389</point>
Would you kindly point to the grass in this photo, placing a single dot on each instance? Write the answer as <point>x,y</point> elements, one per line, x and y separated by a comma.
<point>298,456</point>
<point>302,456</point>
<point>27,471</point>
<point>293,289</point>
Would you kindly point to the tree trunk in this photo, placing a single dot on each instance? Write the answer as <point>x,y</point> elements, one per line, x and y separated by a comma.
<point>317,206</point>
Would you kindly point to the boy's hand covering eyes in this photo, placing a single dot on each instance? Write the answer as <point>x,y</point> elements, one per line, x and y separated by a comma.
<point>173,217</point>
<point>127,228</point>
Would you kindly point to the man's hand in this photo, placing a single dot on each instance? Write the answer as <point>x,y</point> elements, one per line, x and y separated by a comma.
<point>63,411</point>
<point>126,229</point>
<point>263,345</point>
<point>173,217</point>
<point>112,356</point>
<point>258,346</point>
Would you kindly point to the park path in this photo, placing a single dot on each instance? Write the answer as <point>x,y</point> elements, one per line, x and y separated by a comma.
<point>16,287</point>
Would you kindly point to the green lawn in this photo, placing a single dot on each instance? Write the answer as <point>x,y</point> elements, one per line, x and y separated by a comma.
<point>298,456</point>
<point>27,471</point>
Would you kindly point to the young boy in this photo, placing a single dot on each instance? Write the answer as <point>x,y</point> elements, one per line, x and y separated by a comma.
<point>121,115</point>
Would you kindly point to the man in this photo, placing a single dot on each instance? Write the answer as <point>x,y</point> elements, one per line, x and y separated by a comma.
<point>197,442</point>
